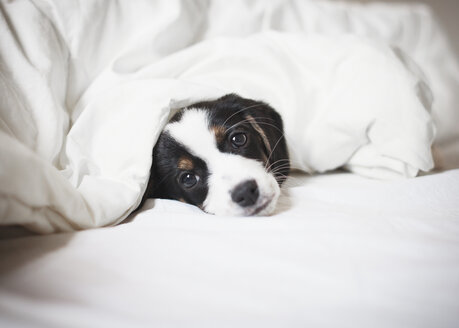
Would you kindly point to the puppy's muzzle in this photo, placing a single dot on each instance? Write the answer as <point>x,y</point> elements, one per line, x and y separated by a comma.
<point>246,193</point>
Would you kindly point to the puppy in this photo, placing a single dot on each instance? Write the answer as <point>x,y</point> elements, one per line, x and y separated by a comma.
<point>227,156</point>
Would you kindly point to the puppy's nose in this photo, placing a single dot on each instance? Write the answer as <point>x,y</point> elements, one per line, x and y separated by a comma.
<point>246,193</point>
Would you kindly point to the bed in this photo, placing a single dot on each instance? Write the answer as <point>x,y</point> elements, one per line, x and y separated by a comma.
<point>369,245</point>
<point>344,251</point>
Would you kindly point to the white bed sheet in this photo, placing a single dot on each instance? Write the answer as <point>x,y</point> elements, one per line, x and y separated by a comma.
<point>343,251</point>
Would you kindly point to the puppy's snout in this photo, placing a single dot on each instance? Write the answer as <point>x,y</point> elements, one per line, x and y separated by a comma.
<point>246,193</point>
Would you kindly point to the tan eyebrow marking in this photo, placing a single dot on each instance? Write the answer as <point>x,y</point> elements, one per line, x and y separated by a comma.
<point>219,132</point>
<point>185,163</point>
<point>260,132</point>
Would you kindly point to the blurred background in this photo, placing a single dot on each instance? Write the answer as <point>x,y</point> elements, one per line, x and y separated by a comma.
<point>447,12</point>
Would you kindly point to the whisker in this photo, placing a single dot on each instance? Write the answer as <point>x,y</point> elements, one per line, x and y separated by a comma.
<point>280,167</point>
<point>238,123</point>
<point>292,183</point>
<point>272,151</point>
<point>243,109</point>
<point>278,161</point>
<point>249,121</point>
<point>266,123</point>
<point>294,165</point>
<point>271,125</point>
<point>279,173</point>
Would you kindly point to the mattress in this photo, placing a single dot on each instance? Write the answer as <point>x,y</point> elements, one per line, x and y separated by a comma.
<point>342,251</point>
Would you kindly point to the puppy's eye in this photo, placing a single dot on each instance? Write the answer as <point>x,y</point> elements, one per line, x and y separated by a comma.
<point>238,140</point>
<point>188,179</point>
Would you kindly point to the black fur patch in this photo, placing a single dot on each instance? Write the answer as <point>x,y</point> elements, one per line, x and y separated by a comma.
<point>167,154</point>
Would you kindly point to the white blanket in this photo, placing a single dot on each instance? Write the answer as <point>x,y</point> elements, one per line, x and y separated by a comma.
<point>343,251</point>
<point>87,86</point>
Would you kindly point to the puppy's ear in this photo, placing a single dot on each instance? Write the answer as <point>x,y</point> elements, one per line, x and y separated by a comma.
<point>154,188</point>
<point>149,191</point>
<point>268,123</point>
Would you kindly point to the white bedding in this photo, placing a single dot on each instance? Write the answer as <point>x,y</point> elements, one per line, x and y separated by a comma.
<point>91,83</point>
<point>87,86</point>
<point>343,251</point>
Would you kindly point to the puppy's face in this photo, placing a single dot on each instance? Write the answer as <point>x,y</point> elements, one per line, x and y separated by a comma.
<point>226,156</point>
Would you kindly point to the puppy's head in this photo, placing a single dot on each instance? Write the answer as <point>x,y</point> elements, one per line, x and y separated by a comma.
<point>227,156</point>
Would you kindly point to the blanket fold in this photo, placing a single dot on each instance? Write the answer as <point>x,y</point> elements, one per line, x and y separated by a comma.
<point>84,97</point>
